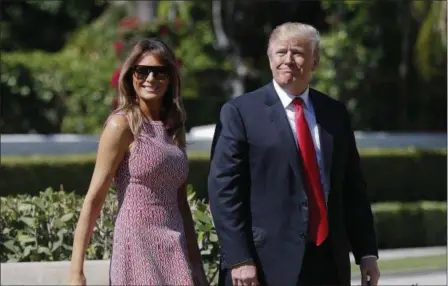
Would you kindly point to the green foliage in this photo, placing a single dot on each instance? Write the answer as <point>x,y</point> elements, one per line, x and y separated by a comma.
<point>411,175</point>
<point>67,91</point>
<point>54,20</point>
<point>30,93</point>
<point>345,59</point>
<point>202,68</point>
<point>344,63</point>
<point>431,58</point>
<point>206,235</point>
<point>70,91</point>
<point>40,228</point>
<point>379,58</point>
<point>90,57</point>
<point>404,179</point>
<point>410,224</point>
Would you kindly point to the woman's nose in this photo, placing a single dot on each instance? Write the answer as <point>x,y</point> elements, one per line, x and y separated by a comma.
<point>150,76</point>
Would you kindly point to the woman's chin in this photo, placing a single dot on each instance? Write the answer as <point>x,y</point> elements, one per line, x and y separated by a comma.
<point>149,96</point>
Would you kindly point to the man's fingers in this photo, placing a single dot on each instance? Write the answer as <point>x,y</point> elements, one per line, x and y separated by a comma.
<point>364,278</point>
<point>244,275</point>
<point>245,281</point>
<point>250,282</point>
<point>374,279</point>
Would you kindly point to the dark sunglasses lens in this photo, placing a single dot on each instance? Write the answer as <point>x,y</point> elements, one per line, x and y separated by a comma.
<point>142,72</point>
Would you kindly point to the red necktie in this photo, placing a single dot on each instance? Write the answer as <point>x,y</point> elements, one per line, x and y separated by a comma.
<point>318,221</point>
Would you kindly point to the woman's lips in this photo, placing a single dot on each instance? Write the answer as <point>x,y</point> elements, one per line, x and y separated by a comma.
<point>150,88</point>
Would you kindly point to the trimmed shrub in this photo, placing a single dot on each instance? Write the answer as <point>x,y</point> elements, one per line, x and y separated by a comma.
<point>40,228</point>
<point>410,224</point>
<point>392,175</point>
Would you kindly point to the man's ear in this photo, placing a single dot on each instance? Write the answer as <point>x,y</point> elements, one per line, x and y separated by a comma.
<point>269,60</point>
<point>315,63</point>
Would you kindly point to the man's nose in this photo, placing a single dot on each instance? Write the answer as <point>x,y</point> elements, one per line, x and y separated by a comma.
<point>288,57</point>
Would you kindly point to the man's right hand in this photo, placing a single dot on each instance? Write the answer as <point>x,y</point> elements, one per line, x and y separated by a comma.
<point>245,274</point>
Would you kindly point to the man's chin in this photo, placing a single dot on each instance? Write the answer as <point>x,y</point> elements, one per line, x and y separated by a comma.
<point>287,81</point>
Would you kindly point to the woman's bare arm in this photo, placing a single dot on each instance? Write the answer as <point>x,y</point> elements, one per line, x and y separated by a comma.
<point>114,143</point>
<point>190,233</point>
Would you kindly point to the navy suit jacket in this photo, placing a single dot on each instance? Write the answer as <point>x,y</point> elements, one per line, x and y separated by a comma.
<point>256,188</point>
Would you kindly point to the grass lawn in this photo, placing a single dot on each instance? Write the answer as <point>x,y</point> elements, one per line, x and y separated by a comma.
<point>434,262</point>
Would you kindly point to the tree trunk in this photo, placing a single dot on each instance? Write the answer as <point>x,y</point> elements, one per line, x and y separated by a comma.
<point>224,43</point>
<point>146,11</point>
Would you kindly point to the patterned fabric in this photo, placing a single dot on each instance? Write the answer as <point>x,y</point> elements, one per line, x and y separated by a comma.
<point>149,246</point>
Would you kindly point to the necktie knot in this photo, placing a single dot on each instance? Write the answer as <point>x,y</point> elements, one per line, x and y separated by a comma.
<point>298,103</point>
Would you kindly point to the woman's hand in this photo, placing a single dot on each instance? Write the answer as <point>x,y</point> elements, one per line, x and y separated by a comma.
<point>77,280</point>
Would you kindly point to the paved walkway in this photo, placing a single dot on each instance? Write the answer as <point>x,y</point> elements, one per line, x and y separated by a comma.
<point>424,278</point>
<point>388,254</point>
<point>55,273</point>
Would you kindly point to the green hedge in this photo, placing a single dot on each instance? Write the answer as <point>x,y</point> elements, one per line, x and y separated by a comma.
<point>392,175</point>
<point>40,228</point>
<point>410,224</point>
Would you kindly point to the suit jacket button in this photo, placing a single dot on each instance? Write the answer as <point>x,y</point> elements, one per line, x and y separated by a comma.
<point>305,203</point>
<point>302,236</point>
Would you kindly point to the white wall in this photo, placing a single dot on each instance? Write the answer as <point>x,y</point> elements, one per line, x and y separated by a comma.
<point>199,140</point>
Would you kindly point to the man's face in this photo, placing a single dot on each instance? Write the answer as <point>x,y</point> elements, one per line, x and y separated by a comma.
<point>292,62</point>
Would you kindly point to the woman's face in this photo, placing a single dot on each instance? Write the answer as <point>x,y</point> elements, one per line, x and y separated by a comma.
<point>150,78</point>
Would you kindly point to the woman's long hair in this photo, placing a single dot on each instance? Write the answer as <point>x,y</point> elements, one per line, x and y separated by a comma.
<point>172,111</point>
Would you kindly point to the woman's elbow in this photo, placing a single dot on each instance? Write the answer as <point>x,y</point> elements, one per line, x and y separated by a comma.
<point>93,203</point>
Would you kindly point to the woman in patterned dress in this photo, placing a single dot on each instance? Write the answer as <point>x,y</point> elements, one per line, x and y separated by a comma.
<point>142,150</point>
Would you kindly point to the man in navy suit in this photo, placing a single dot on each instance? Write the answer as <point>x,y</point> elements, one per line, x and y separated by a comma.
<point>286,190</point>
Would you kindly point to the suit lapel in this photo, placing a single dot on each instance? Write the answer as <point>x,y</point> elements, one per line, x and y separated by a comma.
<point>325,137</point>
<point>277,115</point>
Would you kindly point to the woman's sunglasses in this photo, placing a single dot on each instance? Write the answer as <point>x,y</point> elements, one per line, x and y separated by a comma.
<point>158,72</point>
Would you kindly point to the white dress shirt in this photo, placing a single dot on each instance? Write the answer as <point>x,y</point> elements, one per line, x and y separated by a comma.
<point>286,99</point>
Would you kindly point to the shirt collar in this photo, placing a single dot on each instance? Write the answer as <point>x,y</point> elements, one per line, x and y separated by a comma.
<point>286,98</point>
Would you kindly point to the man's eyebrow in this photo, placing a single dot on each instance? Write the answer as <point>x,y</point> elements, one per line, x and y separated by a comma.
<point>297,48</point>
<point>280,48</point>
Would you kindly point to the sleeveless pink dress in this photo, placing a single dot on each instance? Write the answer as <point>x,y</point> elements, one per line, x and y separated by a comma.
<point>149,246</point>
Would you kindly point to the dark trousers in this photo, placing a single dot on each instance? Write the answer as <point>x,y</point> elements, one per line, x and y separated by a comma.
<point>318,266</point>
